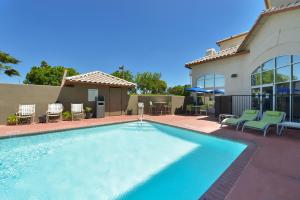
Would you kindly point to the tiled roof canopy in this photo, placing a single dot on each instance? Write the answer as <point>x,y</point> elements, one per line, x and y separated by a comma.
<point>232,51</point>
<point>241,49</point>
<point>100,78</point>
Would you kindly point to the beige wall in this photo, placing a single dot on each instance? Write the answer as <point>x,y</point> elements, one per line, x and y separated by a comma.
<point>12,95</point>
<point>279,35</point>
<point>278,3</point>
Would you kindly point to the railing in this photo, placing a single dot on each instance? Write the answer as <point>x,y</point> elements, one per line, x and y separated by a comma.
<point>236,104</point>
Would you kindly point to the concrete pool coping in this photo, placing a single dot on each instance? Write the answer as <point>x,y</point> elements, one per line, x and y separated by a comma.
<point>222,186</point>
<point>218,190</point>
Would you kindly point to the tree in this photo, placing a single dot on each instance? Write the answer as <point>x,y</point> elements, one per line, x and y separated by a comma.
<point>47,75</point>
<point>179,90</point>
<point>150,83</point>
<point>6,69</point>
<point>126,75</point>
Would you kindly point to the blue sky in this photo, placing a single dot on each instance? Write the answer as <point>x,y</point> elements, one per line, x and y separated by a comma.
<point>143,35</point>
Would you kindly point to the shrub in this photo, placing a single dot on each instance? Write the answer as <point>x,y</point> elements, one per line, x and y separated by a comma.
<point>11,120</point>
<point>67,116</point>
<point>88,109</point>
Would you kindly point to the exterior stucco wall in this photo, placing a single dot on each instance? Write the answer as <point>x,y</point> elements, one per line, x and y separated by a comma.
<point>226,67</point>
<point>279,35</point>
<point>11,95</point>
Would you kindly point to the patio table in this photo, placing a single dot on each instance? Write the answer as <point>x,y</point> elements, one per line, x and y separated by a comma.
<point>283,125</point>
<point>160,105</point>
<point>196,108</point>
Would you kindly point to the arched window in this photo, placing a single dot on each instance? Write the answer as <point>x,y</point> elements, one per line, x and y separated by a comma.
<point>211,81</point>
<point>278,80</point>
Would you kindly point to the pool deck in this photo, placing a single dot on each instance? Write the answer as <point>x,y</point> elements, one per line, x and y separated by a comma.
<point>272,172</point>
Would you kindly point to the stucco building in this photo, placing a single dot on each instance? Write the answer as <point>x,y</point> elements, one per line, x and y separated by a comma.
<point>264,62</point>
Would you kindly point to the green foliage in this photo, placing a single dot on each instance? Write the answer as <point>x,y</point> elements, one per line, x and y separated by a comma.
<point>179,90</point>
<point>67,116</point>
<point>11,120</point>
<point>47,75</point>
<point>126,75</point>
<point>6,69</point>
<point>88,109</point>
<point>150,83</point>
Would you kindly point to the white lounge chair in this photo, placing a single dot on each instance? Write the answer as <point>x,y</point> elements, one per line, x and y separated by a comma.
<point>77,110</point>
<point>25,112</point>
<point>54,110</point>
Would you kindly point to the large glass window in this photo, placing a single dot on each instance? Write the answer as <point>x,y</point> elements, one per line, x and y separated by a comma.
<point>283,74</point>
<point>296,71</point>
<point>283,61</point>
<point>276,86</point>
<point>296,102</point>
<point>255,79</point>
<point>200,82</point>
<point>255,93</point>
<point>296,59</point>
<point>211,81</point>
<point>268,77</point>
<point>268,65</point>
<point>283,98</point>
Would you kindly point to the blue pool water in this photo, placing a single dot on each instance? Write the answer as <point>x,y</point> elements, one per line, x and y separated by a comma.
<point>123,161</point>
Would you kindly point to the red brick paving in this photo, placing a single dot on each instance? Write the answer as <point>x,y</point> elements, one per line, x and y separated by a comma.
<point>272,173</point>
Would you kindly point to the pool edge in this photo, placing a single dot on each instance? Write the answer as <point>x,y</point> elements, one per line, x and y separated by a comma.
<point>223,185</point>
<point>218,190</point>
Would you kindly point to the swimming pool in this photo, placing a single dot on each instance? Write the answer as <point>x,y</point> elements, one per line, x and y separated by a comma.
<point>122,161</point>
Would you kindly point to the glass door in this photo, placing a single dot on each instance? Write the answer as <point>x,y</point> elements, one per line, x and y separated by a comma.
<point>267,98</point>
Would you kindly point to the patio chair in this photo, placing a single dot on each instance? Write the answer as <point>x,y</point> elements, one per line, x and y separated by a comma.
<point>189,109</point>
<point>26,112</point>
<point>54,110</point>
<point>77,111</point>
<point>268,119</point>
<point>248,115</point>
<point>203,108</point>
<point>168,108</point>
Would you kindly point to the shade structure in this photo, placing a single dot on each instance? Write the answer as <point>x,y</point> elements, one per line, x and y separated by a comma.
<point>198,90</point>
<point>218,91</point>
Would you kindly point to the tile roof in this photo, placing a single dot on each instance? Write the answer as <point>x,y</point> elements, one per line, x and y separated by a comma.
<point>237,50</point>
<point>268,12</point>
<point>282,7</point>
<point>216,56</point>
<point>101,78</point>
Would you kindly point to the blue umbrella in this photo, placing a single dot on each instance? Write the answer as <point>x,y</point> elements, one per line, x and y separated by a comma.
<point>218,91</point>
<point>197,89</point>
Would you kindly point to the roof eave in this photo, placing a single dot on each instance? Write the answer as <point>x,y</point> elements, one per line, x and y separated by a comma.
<point>259,19</point>
<point>231,37</point>
<point>96,83</point>
<point>189,65</point>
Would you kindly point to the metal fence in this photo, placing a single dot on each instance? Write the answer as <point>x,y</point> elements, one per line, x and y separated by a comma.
<point>236,104</point>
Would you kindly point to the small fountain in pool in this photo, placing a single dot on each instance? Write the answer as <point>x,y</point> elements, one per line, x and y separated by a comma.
<point>141,111</point>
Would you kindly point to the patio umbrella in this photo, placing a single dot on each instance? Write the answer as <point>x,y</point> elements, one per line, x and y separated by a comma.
<point>218,91</point>
<point>197,90</point>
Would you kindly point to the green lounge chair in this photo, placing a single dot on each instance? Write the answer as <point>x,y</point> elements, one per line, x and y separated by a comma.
<point>248,115</point>
<point>268,119</point>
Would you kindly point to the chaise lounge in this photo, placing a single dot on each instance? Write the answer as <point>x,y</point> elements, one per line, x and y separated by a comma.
<point>268,119</point>
<point>248,115</point>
